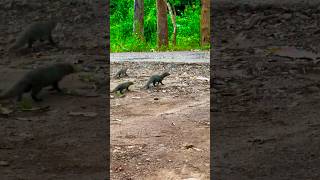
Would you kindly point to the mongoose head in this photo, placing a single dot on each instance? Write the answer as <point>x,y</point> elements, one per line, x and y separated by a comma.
<point>165,74</point>
<point>130,83</point>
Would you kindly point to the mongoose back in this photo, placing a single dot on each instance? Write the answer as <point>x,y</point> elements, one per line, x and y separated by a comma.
<point>39,78</point>
<point>121,72</point>
<point>122,87</point>
<point>36,31</point>
<point>156,79</point>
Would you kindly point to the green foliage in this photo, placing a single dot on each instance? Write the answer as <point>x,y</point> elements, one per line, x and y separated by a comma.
<point>25,104</point>
<point>121,26</point>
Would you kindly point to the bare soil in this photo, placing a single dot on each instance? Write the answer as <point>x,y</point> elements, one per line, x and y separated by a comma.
<point>161,133</point>
<point>68,140</point>
<point>265,104</point>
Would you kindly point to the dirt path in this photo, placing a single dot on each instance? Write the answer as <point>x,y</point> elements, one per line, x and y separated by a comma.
<point>265,100</point>
<point>164,132</point>
<point>55,143</point>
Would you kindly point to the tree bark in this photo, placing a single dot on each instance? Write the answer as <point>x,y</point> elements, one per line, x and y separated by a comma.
<point>162,23</point>
<point>205,22</point>
<point>138,18</point>
<point>173,19</point>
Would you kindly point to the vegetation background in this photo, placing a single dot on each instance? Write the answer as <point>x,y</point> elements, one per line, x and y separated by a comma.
<point>122,38</point>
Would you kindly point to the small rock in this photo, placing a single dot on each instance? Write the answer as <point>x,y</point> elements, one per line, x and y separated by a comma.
<point>5,111</point>
<point>286,16</point>
<point>4,163</point>
<point>38,55</point>
<point>313,89</point>
<point>118,169</point>
<point>203,78</point>
<point>85,114</point>
<point>197,149</point>
<point>189,146</point>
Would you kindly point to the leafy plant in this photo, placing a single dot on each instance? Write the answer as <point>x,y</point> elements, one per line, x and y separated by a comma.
<point>121,26</point>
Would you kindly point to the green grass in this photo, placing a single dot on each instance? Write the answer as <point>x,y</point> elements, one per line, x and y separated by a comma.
<point>123,40</point>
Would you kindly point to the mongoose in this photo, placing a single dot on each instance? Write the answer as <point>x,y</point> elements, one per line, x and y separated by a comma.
<point>122,87</point>
<point>36,31</point>
<point>156,79</point>
<point>121,72</point>
<point>39,78</point>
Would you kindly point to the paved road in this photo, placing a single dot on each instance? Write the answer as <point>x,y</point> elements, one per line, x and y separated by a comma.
<point>177,56</point>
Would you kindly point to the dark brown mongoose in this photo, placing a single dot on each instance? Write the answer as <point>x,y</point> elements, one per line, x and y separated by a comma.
<point>36,31</point>
<point>122,72</point>
<point>122,87</point>
<point>39,78</point>
<point>156,79</point>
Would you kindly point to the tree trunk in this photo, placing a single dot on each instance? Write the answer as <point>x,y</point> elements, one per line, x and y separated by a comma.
<point>172,12</point>
<point>205,22</point>
<point>162,23</point>
<point>138,18</point>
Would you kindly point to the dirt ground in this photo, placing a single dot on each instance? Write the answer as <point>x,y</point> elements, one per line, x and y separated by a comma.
<point>68,140</point>
<point>161,133</point>
<point>265,95</point>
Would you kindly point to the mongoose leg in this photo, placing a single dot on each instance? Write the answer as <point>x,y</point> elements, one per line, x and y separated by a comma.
<point>51,40</point>
<point>154,84</point>
<point>161,83</point>
<point>55,86</point>
<point>27,89</point>
<point>30,42</point>
<point>34,93</point>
